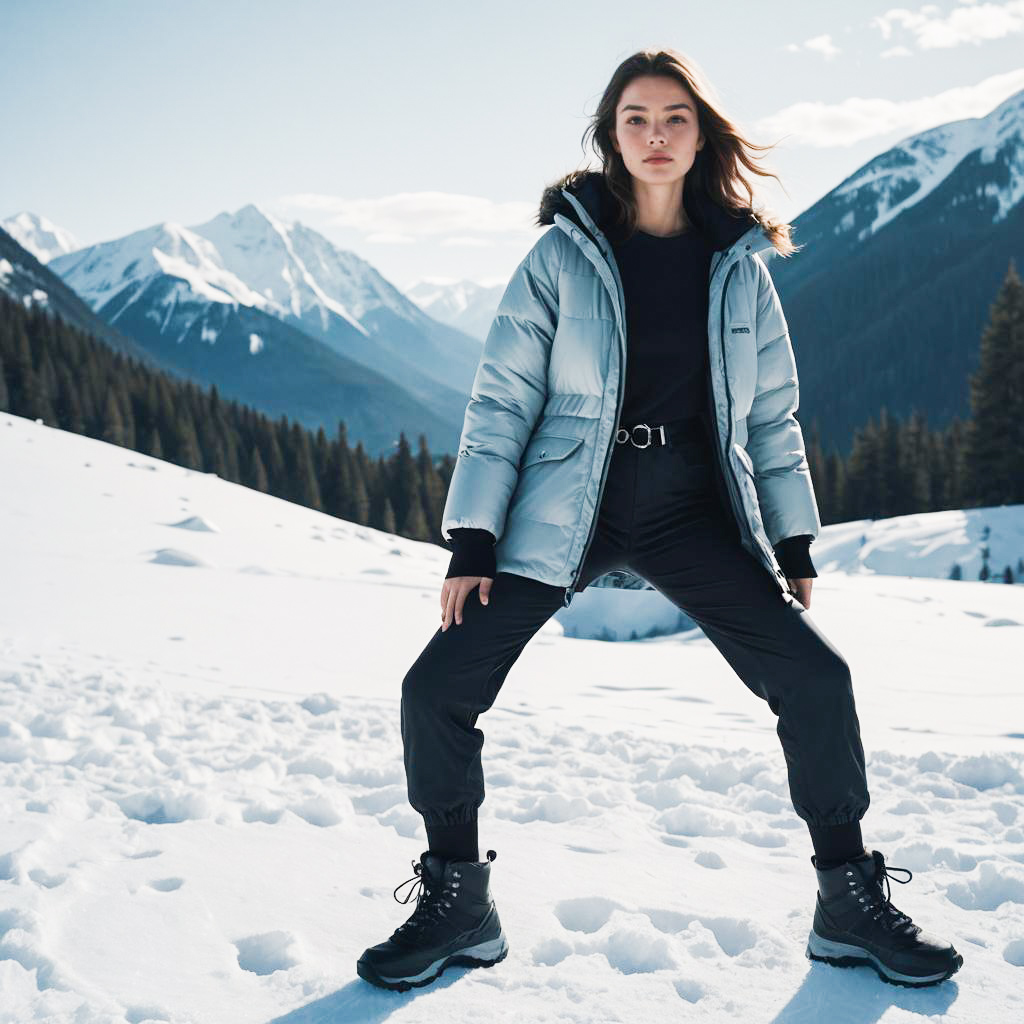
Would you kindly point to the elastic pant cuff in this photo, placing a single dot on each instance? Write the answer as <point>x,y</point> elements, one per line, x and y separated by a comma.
<point>837,843</point>
<point>454,842</point>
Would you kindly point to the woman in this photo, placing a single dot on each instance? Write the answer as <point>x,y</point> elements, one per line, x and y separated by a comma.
<point>677,457</point>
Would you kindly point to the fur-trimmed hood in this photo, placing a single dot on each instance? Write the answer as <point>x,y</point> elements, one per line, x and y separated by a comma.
<point>720,227</point>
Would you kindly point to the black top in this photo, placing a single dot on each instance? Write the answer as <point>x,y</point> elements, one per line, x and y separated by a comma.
<point>665,284</point>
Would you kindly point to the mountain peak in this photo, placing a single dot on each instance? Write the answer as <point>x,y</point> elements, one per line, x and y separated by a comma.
<point>40,235</point>
<point>253,215</point>
<point>911,170</point>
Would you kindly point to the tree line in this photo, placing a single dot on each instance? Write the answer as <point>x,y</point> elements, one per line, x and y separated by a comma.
<point>53,372</point>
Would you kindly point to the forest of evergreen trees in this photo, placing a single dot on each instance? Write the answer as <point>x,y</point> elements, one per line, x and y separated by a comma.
<point>52,372</point>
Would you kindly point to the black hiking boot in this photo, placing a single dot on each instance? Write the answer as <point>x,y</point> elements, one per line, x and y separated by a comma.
<point>854,923</point>
<point>455,923</point>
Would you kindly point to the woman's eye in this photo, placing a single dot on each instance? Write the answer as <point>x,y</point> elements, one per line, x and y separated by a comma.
<point>675,117</point>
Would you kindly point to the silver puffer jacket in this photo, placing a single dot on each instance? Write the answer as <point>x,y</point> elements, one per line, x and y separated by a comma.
<point>540,426</point>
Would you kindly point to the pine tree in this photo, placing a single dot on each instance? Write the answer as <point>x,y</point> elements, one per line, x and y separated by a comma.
<point>304,486</point>
<point>113,425</point>
<point>189,455</point>
<point>916,464</point>
<point>257,472</point>
<point>155,447</point>
<point>28,399</point>
<point>416,523</point>
<point>432,493</point>
<point>404,488</point>
<point>5,398</point>
<point>996,436</point>
<point>359,501</point>
<point>387,517</point>
<point>893,499</point>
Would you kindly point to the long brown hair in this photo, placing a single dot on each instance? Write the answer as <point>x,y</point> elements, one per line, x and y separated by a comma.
<point>718,168</point>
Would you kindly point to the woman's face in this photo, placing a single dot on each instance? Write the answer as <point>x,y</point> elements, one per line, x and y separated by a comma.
<point>657,115</point>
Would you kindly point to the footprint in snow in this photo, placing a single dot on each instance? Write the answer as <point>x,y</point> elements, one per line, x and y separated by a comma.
<point>993,886</point>
<point>137,1013</point>
<point>46,880</point>
<point>266,953</point>
<point>167,884</point>
<point>709,859</point>
<point>642,940</point>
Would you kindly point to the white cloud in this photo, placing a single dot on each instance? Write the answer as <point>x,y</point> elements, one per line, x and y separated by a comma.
<point>969,23</point>
<point>823,45</point>
<point>843,124</point>
<point>818,44</point>
<point>406,217</point>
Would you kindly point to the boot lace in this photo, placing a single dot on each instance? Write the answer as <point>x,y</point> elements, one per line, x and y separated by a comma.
<point>880,906</point>
<point>431,904</point>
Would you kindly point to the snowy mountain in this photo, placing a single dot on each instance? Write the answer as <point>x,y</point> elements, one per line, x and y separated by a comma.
<point>40,236</point>
<point>175,278</point>
<point>463,304</point>
<point>204,806</point>
<point>902,261</point>
<point>29,282</point>
<point>914,168</point>
<point>250,355</point>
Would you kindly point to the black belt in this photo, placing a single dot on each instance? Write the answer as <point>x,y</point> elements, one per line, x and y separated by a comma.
<point>642,435</point>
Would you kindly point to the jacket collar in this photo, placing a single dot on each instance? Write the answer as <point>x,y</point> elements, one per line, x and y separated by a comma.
<point>583,197</point>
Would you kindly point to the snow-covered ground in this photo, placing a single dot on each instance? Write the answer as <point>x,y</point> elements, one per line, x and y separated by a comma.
<point>203,812</point>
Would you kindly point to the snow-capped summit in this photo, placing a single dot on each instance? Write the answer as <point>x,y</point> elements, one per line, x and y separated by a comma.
<point>247,286</point>
<point>295,270</point>
<point>101,272</point>
<point>467,305</point>
<point>175,283</point>
<point>40,236</point>
<point>909,171</point>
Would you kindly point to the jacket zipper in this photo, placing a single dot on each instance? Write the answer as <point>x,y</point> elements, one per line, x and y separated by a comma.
<point>620,391</point>
<point>727,468</point>
<point>569,591</point>
<point>726,465</point>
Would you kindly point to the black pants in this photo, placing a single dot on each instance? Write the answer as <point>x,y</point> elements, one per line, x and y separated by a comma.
<point>661,517</point>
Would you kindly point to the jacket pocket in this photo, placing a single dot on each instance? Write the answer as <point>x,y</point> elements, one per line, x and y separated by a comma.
<point>549,448</point>
<point>551,484</point>
<point>583,296</point>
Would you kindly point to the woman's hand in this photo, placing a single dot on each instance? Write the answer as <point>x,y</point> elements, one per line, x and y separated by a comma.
<point>801,590</point>
<point>453,596</point>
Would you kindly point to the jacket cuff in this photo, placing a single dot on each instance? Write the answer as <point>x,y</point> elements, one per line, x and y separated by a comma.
<point>473,553</point>
<point>795,558</point>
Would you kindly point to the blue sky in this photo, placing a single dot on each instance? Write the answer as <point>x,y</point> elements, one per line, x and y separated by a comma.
<point>420,135</point>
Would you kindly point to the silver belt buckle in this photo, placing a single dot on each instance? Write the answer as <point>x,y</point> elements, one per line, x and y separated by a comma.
<point>622,435</point>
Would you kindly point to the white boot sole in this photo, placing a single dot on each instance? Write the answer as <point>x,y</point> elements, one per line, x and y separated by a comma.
<point>841,954</point>
<point>484,954</point>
